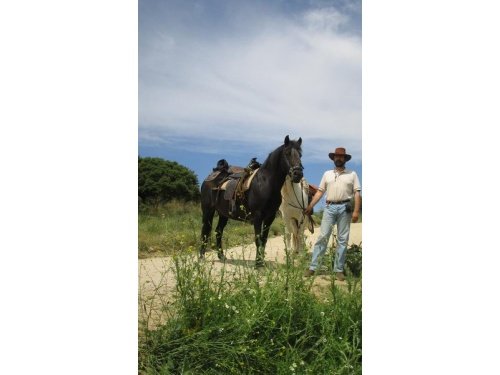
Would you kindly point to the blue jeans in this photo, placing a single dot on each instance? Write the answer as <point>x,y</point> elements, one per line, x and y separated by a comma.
<point>333,214</point>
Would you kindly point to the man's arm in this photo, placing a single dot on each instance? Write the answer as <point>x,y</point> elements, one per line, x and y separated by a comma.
<point>357,206</point>
<point>314,200</point>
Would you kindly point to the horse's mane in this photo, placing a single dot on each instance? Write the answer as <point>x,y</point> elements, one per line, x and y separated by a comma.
<point>274,157</point>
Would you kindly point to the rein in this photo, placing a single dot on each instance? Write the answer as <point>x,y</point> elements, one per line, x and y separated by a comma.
<point>297,198</point>
<point>303,207</point>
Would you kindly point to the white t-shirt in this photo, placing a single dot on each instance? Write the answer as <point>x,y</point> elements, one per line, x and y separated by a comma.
<point>339,186</point>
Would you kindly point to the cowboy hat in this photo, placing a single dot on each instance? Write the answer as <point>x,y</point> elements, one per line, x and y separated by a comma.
<point>340,151</point>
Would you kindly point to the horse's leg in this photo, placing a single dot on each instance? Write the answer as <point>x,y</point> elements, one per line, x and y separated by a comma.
<point>259,255</point>
<point>288,232</point>
<point>208,216</point>
<point>261,240</point>
<point>218,235</point>
<point>293,228</point>
<point>265,230</point>
<point>300,237</point>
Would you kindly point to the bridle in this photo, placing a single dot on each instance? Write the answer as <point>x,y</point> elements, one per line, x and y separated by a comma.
<point>291,170</point>
<point>297,168</point>
<point>303,207</point>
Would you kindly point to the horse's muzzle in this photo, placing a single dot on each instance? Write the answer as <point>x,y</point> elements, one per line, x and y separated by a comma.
<point>296,174</point>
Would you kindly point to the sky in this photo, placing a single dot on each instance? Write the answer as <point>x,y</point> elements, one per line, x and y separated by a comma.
<point>430,80</point>
<point>230,79</point>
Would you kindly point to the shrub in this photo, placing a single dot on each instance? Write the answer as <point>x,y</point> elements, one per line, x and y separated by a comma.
<point>161,181</point>
<point>353,260</point>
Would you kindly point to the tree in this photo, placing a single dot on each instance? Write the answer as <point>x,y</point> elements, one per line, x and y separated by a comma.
<point>163,180</point>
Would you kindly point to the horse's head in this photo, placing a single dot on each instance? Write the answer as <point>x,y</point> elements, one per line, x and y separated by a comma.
<point>292,153</point>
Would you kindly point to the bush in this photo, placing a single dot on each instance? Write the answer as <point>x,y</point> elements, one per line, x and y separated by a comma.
<point>353,260</point>
<point>162,181</point>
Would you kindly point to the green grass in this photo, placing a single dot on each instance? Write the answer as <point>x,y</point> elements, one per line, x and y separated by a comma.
<point>243,321</point>
<point>176,227</point>
<point>250,322</point>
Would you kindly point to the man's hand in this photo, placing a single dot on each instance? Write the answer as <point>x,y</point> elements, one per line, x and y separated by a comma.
<point>314,200</point>
<point>355,217</point>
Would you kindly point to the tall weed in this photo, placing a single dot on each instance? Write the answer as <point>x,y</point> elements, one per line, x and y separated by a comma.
<point>254,322</point>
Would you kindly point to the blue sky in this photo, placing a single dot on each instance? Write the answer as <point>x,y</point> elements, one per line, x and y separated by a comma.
<point>426,59</point>
<point>230,79</point>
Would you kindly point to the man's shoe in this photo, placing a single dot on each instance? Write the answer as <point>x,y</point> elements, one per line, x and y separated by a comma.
<point>308,273</point>
<point>340,276</point>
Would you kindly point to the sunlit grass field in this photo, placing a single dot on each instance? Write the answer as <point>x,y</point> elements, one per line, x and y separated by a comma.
<point>176,226</point>
<point>244,321</point>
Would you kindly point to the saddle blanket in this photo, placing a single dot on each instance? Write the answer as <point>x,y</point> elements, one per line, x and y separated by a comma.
<point>229,186</point>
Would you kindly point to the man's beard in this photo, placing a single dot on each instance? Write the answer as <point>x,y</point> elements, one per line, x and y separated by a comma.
<point>339,163</point>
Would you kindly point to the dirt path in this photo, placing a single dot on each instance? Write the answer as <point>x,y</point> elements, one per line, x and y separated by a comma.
<point>157,280</point>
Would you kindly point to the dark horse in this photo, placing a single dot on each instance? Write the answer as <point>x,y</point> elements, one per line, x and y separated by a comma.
<point>259,203</point>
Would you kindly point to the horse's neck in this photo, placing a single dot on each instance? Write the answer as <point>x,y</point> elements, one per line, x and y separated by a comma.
<point>272,167</point>
<point>294,191</point>
<point>275,181</point>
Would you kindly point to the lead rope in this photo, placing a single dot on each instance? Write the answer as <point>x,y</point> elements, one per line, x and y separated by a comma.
<point>298,202</point>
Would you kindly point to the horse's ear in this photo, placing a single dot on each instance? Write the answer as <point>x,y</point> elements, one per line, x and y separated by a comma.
<point>287,140</point>
<point>300,141</point>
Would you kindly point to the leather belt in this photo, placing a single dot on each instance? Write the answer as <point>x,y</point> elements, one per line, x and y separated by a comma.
<point>338,202</point>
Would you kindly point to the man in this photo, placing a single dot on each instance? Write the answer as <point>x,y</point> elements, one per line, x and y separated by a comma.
<point>341,185</point>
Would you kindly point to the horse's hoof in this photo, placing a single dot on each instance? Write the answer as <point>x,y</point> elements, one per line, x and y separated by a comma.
<point>201,256</point>
<point>259,265</point>
<point>221,256</point>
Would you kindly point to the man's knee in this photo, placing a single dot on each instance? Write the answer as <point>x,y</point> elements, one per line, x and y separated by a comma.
<point>322,239</point>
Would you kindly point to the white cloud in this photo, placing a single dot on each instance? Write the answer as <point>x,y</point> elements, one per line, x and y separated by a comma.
<point>289,77</point>
<point>327,19</point>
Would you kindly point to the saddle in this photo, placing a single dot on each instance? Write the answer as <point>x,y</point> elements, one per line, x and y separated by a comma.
<point>221,173</point>
<point>234,181</point>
